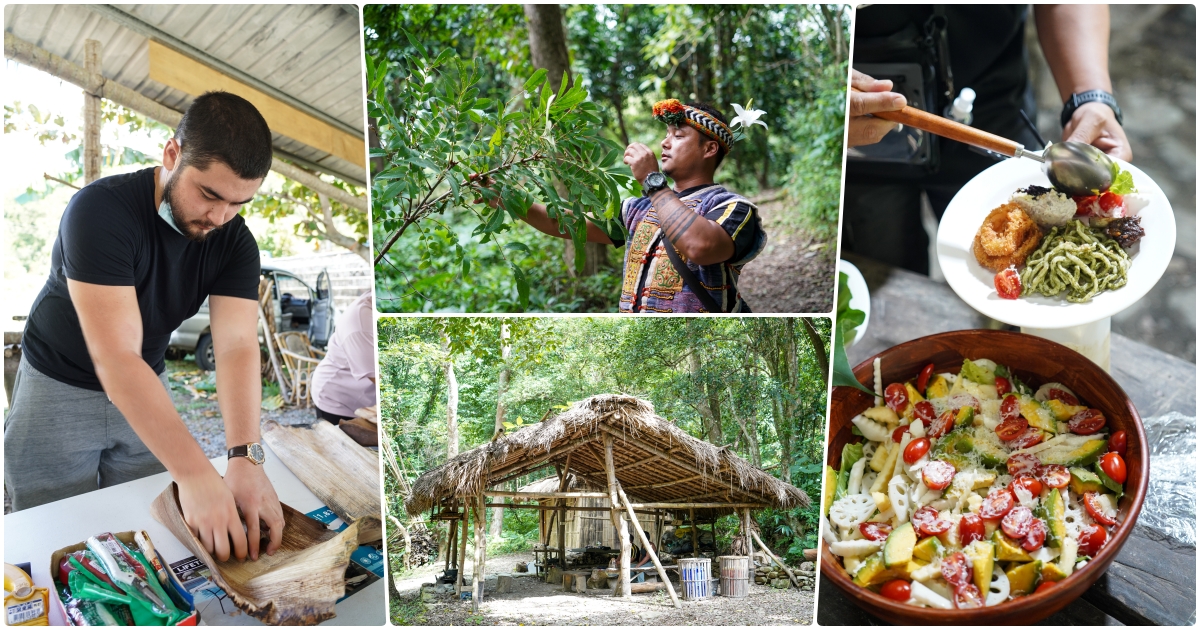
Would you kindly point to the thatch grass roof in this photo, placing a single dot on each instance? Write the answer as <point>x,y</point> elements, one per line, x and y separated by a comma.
<point>655,460</point>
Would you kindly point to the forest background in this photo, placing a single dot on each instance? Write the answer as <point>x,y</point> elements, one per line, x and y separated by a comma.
<point>757,385</point>
<point>455,255</point>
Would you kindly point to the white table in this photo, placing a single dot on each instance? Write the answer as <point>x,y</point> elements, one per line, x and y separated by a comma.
<point>32,535</point>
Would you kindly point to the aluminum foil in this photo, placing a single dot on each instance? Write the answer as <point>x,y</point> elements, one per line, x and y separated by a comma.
<point>1170,505</point>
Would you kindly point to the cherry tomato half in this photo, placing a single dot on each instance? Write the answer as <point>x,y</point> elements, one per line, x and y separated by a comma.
<point>1022,463</point>
<point>970,529</point>
<point>896,397</point>
<point>898,434</point>
<point>937,474</point>
<point>1008,283</point>
<point>997,504</point>
<point>1091,502</point>
<point>1058,394</point>
<point>956,569</point>
<point>875,531</point>
<point>1054,475</point>
<point>1113,466</point>
<point>1002,386</point>
<point>1017,522</point>
<point>898,590</point>
<point>1087,422</point>
<point>1118,443</point>
<point>1036,536</point>
<point>915,450</point>
<point>927,522</point>
<point>925,411</point>
<point>1010,408</point>
<point>1029,482</point>
<point>923,379</point>
<point>1012,428</point>
<point>1031,437</point>
<point>941,425</point>
<point>968,596</point>
<point>1091,539</point>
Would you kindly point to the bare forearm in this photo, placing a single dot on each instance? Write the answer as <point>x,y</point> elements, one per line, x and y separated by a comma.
<point>1074,39</point>
<point>240,394</point>
<point>137,392</point>
<point>540,220</point>
<point>702,241</point>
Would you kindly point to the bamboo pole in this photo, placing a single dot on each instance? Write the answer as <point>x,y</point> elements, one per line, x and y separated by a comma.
<point>749,538</point>
<point>567,508</point>
<point>562,515</point>
<point>451,545</point>
<point>462,554</point>
<point>618,518</point>
<point>772,556</point>
<point>91,115</point>
<point>666,483</point>
<point>700,506</point>
<point>95,83</point>
<point>533,496</point>
<point>637,527</point>
<point>477,570</point>
<point>695,534</point>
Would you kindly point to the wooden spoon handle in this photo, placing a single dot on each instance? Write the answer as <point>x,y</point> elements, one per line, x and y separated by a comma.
<point>947,128</point>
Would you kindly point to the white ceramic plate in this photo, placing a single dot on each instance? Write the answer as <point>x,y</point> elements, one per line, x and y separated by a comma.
<point>860,298</point>
<point>975,285</point>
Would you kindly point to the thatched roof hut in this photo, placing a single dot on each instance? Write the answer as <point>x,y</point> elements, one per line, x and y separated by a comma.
<point>654,460</point>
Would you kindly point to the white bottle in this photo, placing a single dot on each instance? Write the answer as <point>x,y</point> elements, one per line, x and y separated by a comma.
<point>960,109</point>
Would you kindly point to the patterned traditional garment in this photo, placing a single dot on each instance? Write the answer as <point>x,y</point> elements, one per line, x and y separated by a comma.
<point>652,284</point>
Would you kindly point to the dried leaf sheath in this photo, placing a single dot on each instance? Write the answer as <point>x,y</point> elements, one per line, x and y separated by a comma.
<point>298,585</point>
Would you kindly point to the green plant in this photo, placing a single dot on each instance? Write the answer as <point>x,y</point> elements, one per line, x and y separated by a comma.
<point>443,147</point>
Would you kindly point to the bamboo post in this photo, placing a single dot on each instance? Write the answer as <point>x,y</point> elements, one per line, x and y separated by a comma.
<point>477,569</point>
<point>772,556</point>
<point>91,115</point>
<point>637,527</point>
<point>749,538</point>
<point>562,515</point>
<point>618,518</point>
<point>462,554</point>
<point>695,536</point>
<point>451,544</point>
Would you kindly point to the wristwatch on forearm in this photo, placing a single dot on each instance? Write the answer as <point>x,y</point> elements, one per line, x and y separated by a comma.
<point>653,183</point>
<point>1091,96</point>
<point>252,451</point>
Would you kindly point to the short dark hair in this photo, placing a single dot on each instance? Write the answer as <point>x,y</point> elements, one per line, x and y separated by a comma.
<point>227,128</point>
<point>715,113</point>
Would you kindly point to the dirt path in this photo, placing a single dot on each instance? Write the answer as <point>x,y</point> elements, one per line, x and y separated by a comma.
<point>794,274</point>
<point>533,602</point>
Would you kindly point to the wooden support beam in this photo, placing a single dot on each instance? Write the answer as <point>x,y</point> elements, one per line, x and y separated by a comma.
<point>534,496</point>
<point>507,478</point>
<point>695,534</point>
<point>462,555</point>
<point>651,486</point>
<point>650,448</point>
<point>567,508</point>
<point>637,527</point>
<point>91,115</point>
<point>26,53</point>
<point>526,466</point>
<point>175,69</point>
<point>699,506</point>
<point>562,515</point>
<point>635,464</point>
<point>477,570</point>
<point>772,556</point>
<point>749,538</point>
<point>618,518</point>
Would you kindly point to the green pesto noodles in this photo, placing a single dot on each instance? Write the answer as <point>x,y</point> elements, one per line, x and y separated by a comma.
<point>1076,259</point>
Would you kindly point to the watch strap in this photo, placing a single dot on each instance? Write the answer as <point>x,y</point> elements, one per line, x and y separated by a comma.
<point>1091,96</point>
<point>239,451</point>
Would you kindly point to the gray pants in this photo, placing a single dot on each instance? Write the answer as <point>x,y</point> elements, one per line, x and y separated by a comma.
<point>61,440</point>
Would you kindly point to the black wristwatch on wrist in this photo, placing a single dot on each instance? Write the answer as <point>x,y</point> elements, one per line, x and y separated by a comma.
<point>252,451</point>
<point>1091,96</point>
<point>654,182</point>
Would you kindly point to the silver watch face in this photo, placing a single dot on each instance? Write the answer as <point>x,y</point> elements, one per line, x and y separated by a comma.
<point>256,453</point>
<point>655,180</point>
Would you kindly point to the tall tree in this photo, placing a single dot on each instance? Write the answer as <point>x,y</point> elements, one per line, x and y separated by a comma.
<point>501,390</point>
<point>451,400</point>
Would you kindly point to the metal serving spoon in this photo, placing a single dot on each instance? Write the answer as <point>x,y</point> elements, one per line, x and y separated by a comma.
<point>1074,168</point>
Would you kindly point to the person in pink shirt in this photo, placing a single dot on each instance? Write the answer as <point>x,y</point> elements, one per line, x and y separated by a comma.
<point>345,378</point>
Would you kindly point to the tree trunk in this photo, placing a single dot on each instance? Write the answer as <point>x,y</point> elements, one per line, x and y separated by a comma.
<point>497,525</point>
<point>710,407</point>
<point>451,402</point>
<point>818,346</point>
<point>749,429</point>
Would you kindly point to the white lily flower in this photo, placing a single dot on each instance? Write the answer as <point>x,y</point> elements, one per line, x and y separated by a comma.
<point>746,116</point>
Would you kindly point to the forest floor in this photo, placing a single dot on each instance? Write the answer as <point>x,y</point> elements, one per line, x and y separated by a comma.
<point>534,602</point>
<point>795,273</point>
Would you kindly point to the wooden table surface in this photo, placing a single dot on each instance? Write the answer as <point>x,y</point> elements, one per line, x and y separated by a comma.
<point>1153,579</point>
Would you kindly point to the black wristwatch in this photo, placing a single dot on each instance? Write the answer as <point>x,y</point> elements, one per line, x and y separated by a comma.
<point>655,182</point>
<point>1091,96</point>
<point>252,451</point>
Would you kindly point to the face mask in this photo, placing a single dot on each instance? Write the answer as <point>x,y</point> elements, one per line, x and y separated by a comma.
<point>164,211</point>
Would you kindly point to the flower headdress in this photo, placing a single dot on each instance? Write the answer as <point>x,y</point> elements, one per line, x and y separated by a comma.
<point>672,112</point>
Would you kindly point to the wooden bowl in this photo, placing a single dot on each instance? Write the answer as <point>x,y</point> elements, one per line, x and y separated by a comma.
<point>1035,361</point>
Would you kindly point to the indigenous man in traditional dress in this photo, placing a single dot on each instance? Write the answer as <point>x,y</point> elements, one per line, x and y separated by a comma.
<point>687,242</point>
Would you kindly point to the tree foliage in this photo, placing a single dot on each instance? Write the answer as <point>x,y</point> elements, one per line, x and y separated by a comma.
<point>755,384</point>
<point>790,59</point>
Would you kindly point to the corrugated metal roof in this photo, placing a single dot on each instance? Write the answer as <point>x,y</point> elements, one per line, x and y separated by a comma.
<point>307,55</point>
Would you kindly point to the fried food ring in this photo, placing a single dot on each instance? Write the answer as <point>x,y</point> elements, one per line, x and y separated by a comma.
<point>1006,238</point>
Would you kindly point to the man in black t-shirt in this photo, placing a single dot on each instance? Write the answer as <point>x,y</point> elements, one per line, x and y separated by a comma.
<point>984,49</point>
<point>135,256</point>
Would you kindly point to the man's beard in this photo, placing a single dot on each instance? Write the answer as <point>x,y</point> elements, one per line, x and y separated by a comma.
<point>192,230</point>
